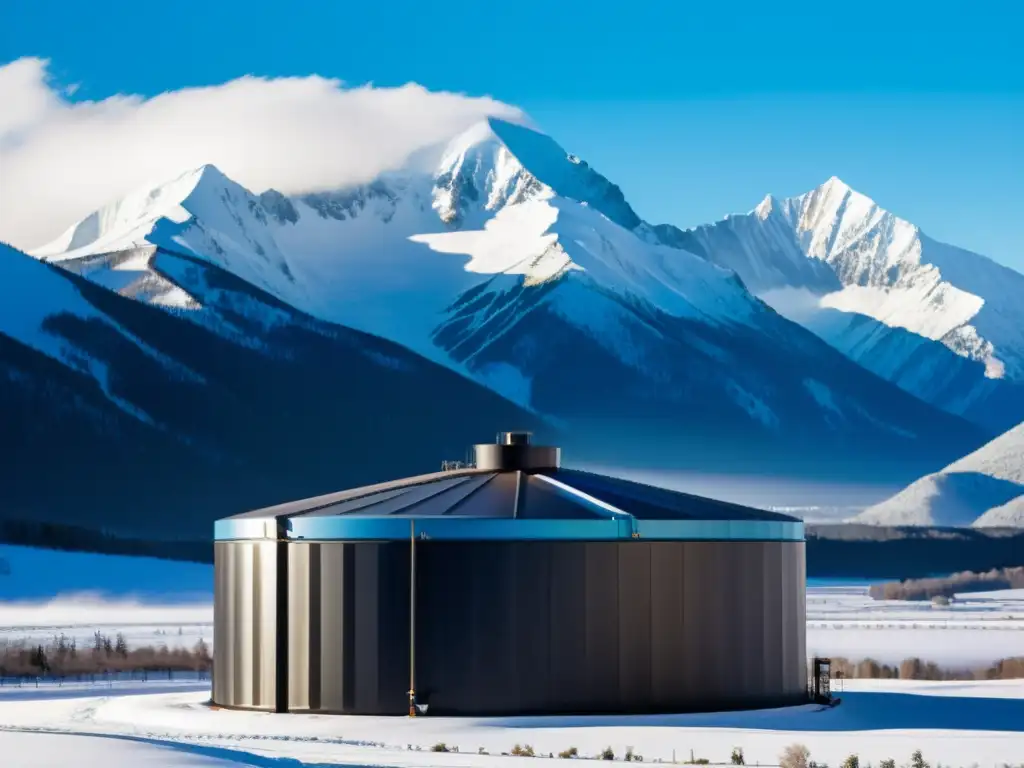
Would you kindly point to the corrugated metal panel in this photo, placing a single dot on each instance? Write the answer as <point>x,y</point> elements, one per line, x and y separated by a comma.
<point>298,626</point>
<point>265,622</point>
<point>368,503</point>
<point>452,499</point>
<point>303,506</point>
<point>368,599</point>
<point>568,683</point>
<point>667,639</point>
<point>333,626</point>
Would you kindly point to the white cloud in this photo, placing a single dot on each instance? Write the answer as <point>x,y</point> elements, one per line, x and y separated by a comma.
<point>60,160</point>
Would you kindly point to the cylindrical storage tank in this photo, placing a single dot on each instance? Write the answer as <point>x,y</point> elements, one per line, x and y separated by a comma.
<point>509,592</point>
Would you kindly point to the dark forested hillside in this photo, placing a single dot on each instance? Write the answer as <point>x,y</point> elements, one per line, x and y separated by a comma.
<point>242,404</point>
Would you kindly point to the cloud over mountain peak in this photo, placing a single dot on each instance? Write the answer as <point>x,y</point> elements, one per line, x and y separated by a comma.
<point>63,159</point>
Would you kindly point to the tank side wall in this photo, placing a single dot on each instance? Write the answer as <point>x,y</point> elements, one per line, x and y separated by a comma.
<point>515,627</point>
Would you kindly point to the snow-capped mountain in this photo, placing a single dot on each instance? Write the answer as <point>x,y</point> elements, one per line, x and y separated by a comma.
<point>943,323</point>
<point>519,265</point>
<point>231,234</point>
<point>984,488</point>
<point>509,163</point>
<point>143,421</point>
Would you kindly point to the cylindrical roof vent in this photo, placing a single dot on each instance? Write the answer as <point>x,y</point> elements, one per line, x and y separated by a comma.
<point>512,451</point>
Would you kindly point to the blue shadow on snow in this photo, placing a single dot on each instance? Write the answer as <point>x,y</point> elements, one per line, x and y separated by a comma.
<point>859,711</point>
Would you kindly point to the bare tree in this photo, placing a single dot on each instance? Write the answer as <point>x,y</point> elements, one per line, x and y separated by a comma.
<point>795,756</point>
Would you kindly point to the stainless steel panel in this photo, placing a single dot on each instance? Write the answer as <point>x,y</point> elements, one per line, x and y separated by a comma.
<point>227,662</point>
<point>797,551</point>
<point>266,625</point>
<point>332,626</point>
<point>298,626</point>
<point>242,576</point>
<point>221,553</point>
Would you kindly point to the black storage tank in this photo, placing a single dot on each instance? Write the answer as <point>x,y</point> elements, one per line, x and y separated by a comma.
<point>510,587</point>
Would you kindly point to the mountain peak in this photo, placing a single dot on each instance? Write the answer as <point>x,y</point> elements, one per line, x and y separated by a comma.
<point>498,162</point>
<point>766,206</point>
<point>838,190</point>
<point>208,173</point>
<point>127,219</point>
<point>834,182</point>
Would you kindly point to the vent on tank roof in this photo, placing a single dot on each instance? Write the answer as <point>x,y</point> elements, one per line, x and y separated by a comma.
<point>513,451</point>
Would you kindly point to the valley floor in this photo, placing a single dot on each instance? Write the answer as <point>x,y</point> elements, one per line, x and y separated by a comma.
<point>957,724</point>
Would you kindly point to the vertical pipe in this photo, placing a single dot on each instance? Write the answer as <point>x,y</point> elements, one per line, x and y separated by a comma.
<point>281,622</point>
<point>412,618</point>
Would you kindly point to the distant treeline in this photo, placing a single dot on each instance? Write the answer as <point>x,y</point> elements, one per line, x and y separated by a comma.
<point>947,586</point>
<point>917,669</point>
<point>64,658</point>
<point>869,551</point>
<point>74,538</point>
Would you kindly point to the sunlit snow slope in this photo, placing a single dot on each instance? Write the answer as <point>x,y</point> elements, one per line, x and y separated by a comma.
<point>984,488</point>
<point>943,323</point>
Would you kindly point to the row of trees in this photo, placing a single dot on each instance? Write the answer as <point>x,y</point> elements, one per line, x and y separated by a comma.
<point>74,538</point>
<point>799,756</point>
<point>64,657</point>
<point>947,586</point>
<point>916,669</point>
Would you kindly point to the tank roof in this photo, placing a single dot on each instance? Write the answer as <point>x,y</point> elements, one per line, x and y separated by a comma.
<point>551,503</point>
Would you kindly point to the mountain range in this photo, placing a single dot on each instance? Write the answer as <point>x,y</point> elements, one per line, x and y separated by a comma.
<point>941,322</point>
<point>270,345</point>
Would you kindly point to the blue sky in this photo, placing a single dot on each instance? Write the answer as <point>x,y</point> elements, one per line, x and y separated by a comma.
<point>696,111</point>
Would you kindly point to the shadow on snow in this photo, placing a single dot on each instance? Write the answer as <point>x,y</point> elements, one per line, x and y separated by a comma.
<point>859,711</point>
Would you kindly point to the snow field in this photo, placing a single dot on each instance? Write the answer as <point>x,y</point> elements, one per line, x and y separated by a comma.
<point>959,724</point>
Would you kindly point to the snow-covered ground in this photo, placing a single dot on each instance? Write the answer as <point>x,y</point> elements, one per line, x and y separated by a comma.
<point>45,593</point>
<point>975,630</point>
<point>142,624</point>
<point>959,724</point>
